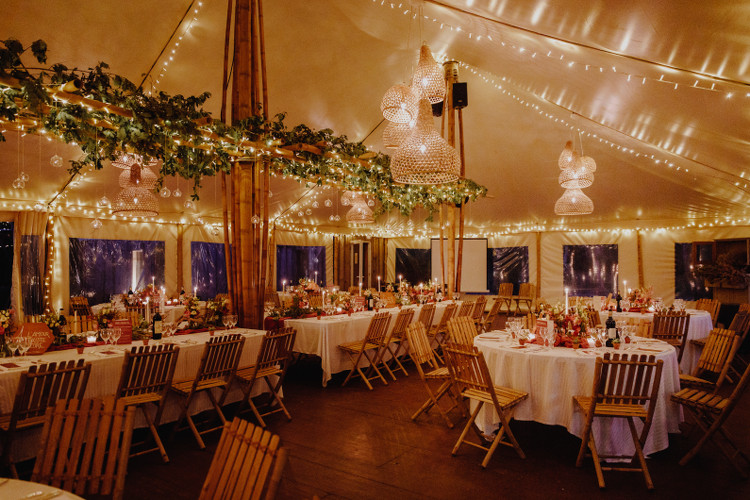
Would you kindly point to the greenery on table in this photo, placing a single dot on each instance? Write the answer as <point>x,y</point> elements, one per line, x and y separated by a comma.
<point>177,130</point>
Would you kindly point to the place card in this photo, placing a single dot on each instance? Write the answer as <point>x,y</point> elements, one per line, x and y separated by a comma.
<point>126,330</point>
<point>41,337</point>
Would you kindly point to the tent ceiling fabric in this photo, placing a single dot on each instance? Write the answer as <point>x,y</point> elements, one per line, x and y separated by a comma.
<point>536,72</point>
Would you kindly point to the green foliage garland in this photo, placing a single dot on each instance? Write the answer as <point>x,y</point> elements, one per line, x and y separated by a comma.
<point>177,131</point>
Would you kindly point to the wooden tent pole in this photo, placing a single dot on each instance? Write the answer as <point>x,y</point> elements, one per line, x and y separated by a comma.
<point>538,263</point>
<point>451,122</point>
<point>224,192</point>
<point>265,273</point>
<point>442,251</point>
<point>640,259</point>
<point>461,213</point>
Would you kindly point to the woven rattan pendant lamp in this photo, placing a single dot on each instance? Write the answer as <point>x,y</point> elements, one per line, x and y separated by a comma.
<point>399,104</point>
<point>136,198</point>
<point>577,176</point>
<point>425,157</point>
<point>574,202</point>
<point>360,213</point>
<point>395,134</point>
<point>428,77</point>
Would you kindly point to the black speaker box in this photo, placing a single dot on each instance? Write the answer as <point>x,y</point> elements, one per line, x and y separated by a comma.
<point>460,97</point>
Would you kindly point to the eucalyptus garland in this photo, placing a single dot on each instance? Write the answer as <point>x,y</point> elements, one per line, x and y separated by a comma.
<point>110,114</point>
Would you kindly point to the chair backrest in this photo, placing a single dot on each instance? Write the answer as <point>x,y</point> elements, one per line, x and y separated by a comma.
<point>468,368</point>
<point>220,357</point>
<point>276,349</point>
<point>741,324</point>
<point>718,352</point>
<point>448,313</point>
<point>527,290</point>
<point>461,330</point>
<point>494,311</point>
<point>530,321</point>
<point>79,323</point>
<point>478,310</point>
<point>419,345</point>
<point>148,370</point>
<point>623,380</point>
<point>427,314</point>
<point>41,386</point>
<point>645,329</point>
<point>274,298</point>
<point>402,321</point>
<point>316,299</point>
<point>671,326</point>
<point>378,328</point>
<point>85,446</point>
<point>247,463</point>
<point>593,316</point>
<point>744,307</point>
<point>80,305</point>
<point>505,290</point>
<point>466,308</point>
<point>711,306</point>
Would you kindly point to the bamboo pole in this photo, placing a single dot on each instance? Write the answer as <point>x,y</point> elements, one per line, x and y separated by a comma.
<point>640,259</point>
<point>538,263</point>
<point>451,123</point>
<point>442,250</point>
<point>461,213</point>
<point>229,265</point>
<point>265,272</point>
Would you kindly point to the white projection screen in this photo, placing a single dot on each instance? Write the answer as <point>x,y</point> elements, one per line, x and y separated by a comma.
<point>474,268</point>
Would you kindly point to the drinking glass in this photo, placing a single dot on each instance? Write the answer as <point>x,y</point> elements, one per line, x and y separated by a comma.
<point>12,344</point>
<point>115,335</point>
<point>24,344</point>
<point>104,333</point>
<point>225,321</point>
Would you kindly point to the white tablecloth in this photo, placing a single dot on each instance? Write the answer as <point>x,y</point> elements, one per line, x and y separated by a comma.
<point>105,375</point>
<point>552,377</point>
<point>321,336</point>
<point>13,489</point>
<point>700,326</point>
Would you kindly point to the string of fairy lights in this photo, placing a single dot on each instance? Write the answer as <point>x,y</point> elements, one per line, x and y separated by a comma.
<point>667,76</point>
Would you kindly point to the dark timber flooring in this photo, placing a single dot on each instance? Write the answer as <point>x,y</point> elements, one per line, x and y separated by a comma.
<point>354,443</point>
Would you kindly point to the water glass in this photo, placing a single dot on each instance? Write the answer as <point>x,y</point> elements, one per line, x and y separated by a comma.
<point>24,344</point>
<point>12,344</point>
<point>104,333</point>
<point>115,335</point>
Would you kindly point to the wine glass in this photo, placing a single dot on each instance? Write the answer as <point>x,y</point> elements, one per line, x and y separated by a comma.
<point>24,344</point>
<point>12,344</point>
<point>104,333</point>
<point>232,320</point>
<point>115,335</point>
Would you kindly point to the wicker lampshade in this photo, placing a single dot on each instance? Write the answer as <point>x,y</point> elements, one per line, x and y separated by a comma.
<point>135,202</point>
<point>127,160</point>
<point>574,202</point>
<point>588,163</point>
<point>428,77</point>
<point>399,104</point>
<point>348,198</point>
<point>137,177</point>
<point>577,176</point>
<point>569,157</point>
<point>425,157</point>
<point>360,213</point>
<point>396,133</point>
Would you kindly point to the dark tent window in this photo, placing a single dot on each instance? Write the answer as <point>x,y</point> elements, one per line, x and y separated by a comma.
<point>31,274</point>
<point>590,270</point>
<point>294,262</point>
<point>507,265</point>
<point>687,285</point>
<point>209,268</point>
<point>101,268</point>
<point>6,263</point>
<point>413,264</point>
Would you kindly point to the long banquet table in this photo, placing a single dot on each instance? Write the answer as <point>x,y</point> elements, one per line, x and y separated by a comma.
<point>552,377</point>
<point>700,326</point>
<point>106,367</point>
<point>321,337</point>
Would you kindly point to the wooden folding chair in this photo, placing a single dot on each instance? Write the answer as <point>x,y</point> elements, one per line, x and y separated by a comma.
<point>672,327</point>
<point>740,325</point>
<point>273,360</point>
<point>85,446</point>
<point>461,331</point>
<point>623,388</point>
<point>714,362</point>
<point>466,308</point>
<point>398,337</point>
<point>710,412</point>
<point>485,325</point>
<point>247,463</point>
<point>217,367</point>
<point>505,296</point>
<point>478,312</point>
<point>530,321</point>
<point>427,315</point>
<point>39,388</point>
<point>470,374</point>
<point>526,296</point>
<point>372,342</point>
<point>145,380</point>
<point>424,359</point>
<point>439,331</point>
<point>711,306</point>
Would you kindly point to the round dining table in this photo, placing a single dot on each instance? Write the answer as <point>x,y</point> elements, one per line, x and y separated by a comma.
<point>13,489</point>
<point>552,376</point>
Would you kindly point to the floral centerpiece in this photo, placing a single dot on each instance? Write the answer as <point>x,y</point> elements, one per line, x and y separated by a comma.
<point>104,316</point>
<point>641,298</point>
<point>216,310</point>
<point>308,284</point>
<point>6,319</point>
<point>571,324</point>
<point>192,312</point>
<point>53,321</point>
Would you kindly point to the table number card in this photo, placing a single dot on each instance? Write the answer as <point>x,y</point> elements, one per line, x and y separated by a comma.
<point>543,325</point>
<point>126,329</point>
<point>41,337</point>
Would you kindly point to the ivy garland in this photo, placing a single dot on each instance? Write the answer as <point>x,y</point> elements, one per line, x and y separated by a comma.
<point>177,131</point>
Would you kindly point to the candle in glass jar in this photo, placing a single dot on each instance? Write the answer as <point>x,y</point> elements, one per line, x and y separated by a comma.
<point>91,339</point>
<point>360,288</point>
<point>378,283</point>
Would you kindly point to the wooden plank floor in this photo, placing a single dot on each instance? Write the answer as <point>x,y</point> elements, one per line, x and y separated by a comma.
<point>353,443</point>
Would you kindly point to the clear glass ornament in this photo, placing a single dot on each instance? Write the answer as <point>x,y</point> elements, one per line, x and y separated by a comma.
<point>189,204</point>
<point>255,219</point>
<point>165,192</point>
<point>56,161</point>
<point>24,177</point>
<point>308,211</point>
<point>177,193</point>
<point>300,213</point>
<point>328,203</point>
<point>370,203</point>
<point>104,201</point>
<point>315,204</point>
<point>96,224</point>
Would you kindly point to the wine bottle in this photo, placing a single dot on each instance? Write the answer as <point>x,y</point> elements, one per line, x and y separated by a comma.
<point>611,327</point>
<point>156,326</point>
<point>370,303</point>
<point>618,299</point>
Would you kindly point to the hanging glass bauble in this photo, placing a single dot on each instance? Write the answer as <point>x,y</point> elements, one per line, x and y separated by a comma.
<point>270,194</point>
<point>165,192</point>
<point>104,201</point>
<point>315,204</point>
<point>96,224</point>
<point>337,217</point>
<point>24,177</point>
<point>177,193</point>
<point>370,203</point>
<point>300,213</point>
<point>331,218</point>
<point>215,230</point>
<point>255,219</point>
<point>38,206</point>
<point>56,161</point>
<point>328,203</point>
<point>189,204</point>
<point>199,220</point>
<point>308,211</point>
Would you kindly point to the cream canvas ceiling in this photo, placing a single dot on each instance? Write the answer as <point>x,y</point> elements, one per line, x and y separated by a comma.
<point>658,93</point>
